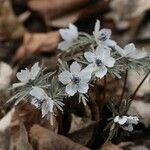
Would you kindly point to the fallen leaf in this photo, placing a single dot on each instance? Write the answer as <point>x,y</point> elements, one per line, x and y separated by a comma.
<point>110,146</point>
<point>37,43</point>
<point>44,139</point>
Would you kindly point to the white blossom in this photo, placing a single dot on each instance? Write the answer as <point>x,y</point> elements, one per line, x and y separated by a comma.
<point>102,36</point>
<point>130,51</point>
<point>99,60</point>
<point>42,100</point>
<point>26,75</point>
<point>76,80</point>
<point>126,122</point>
<point>68,35</point>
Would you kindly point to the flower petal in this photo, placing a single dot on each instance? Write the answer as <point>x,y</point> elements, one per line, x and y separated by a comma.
<point>35,70</point>
<point>128,127</point>
<point>133,120</point>
<point>75,68</point>
<point>90,57</point>
<point>38,93</point>
<point>24,75</point>
<point>65,77</point>
<point>101,72</point>
<point>105,33</point>
<point>74,31</point>
<point>129,48</point>
<point>83,87</point>
<point>69,34</point>
<point>71,89</point>
<point>122,120</point>
<point>109,62</point>
<point>138,54</point>
<point>102,52</point>
<point>110,43</point>
<point>85,74</point>
<point>64,45</point>
<point>97,27</point>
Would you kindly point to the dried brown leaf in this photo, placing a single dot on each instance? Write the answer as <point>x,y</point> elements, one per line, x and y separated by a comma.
<point>44,139</point>
<point>37,43</point>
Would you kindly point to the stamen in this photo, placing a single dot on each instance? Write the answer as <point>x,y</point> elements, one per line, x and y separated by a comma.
<point>98,62</point>
<point>75,79</point>
<point>103,37</point>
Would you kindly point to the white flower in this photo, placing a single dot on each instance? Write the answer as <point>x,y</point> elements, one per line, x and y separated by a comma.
<point>69,35</point>
<point>99,60</point>
<point>76,80</point>
<point>126,122</point>
<point>130,51</point>
<point>42,100</point>
<point>103,36</point>
<point>25,75</point>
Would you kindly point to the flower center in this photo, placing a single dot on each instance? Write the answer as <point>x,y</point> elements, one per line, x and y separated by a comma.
<point>39,103</point>
<point>98,62</point>
<point>76,79</point>
<point>103,37</point>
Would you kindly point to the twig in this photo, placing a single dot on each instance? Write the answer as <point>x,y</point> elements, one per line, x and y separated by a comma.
<point>138,87</point>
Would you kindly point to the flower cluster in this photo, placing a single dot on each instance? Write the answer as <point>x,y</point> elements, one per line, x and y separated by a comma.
<point>97,56</point>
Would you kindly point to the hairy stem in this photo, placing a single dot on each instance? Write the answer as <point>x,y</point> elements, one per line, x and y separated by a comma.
<point>124,86</point>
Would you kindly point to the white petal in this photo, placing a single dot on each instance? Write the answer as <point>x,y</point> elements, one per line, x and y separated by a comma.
<point>101,72</point>
<point>109,62</point>
<point>133,120</point>
<point>97,27</point>
<point>102,52</point>
<point>138,54</point>
<point>129,128</point>
<point>65,34</point>
<point>83,87</point>
<point>106,32</point>
<point>35,70</point>
<point>38,93</point>
<point>24,75</point>
<point>75,68</point>
<point>65,77</point>
<point>90,57</point>
<point>110,43</point>
<point>85,74</point>
<point>64,45</point>
<point>69,34</point>
<point>116,119</point>
<point>122,120</point>
<point>74,31</point>
<point>129,48</point>
<point>71,89</point>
